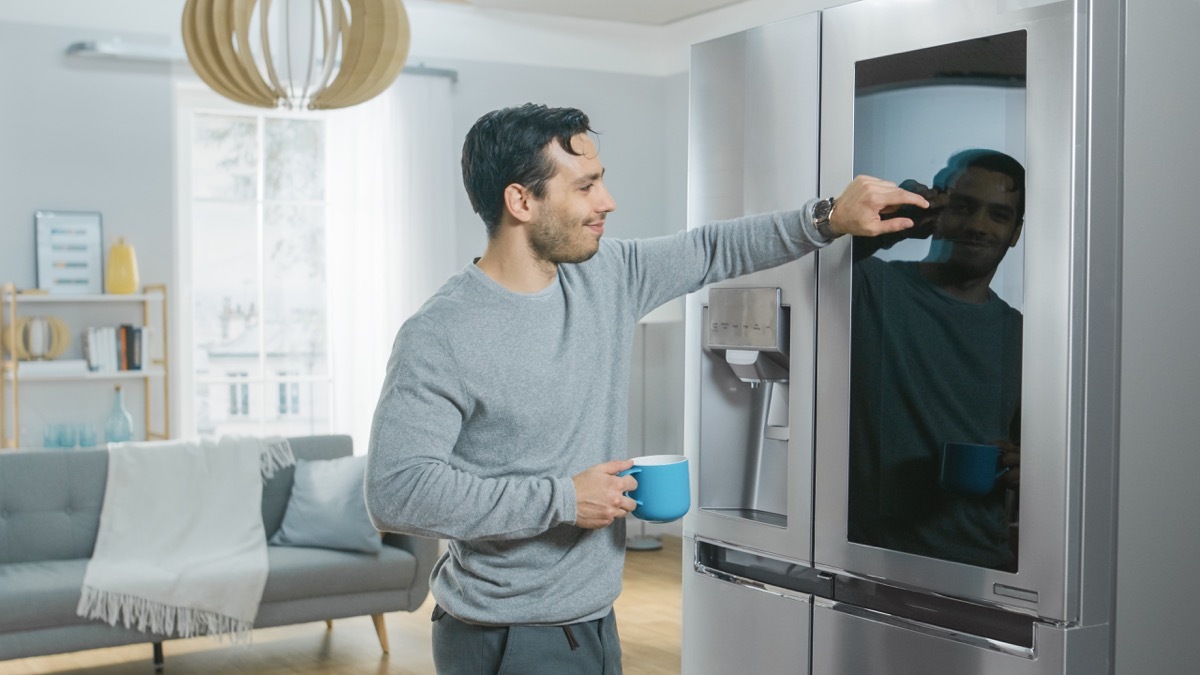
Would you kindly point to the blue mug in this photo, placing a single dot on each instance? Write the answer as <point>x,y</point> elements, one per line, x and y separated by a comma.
<point>664,492</point>
<point>970,468</point>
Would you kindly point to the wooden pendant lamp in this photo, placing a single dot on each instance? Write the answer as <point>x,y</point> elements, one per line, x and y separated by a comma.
<point>308,54</point>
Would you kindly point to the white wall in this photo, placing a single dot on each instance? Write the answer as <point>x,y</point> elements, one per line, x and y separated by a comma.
<point>85,137</point>
<point>82,136</point>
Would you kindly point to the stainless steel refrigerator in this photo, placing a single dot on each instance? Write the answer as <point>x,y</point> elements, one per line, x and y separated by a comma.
<point>829,533</point>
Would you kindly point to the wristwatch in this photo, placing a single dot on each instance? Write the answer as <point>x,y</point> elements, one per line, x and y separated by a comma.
<point>822,210</point>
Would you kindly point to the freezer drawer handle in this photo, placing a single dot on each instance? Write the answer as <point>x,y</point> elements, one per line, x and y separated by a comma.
<point>736,565</point>
<point>951,614</point>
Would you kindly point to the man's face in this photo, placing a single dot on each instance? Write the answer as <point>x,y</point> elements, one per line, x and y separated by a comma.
<point>570,218</point>
<point>979,221</point>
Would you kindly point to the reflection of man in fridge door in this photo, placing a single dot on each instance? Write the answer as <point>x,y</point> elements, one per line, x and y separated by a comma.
<point>936,359</point>
<point>502,421</point>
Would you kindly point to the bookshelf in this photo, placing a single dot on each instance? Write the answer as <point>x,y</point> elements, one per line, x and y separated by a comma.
<point>154,375</point>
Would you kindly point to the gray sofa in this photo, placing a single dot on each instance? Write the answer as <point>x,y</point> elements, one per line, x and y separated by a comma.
<point>49,514</point>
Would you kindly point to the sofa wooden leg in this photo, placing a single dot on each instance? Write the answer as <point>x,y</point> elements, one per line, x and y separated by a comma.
<point>380,631</point>
<point>329,624</point>
<point>158,657</point>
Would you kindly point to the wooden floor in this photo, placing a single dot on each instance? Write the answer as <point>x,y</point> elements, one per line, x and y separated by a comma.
<point>648,618</point>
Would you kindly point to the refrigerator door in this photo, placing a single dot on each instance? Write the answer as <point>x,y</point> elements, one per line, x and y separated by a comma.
<point>738,624</point>
<point>748,404</point>
<point>918,362</point>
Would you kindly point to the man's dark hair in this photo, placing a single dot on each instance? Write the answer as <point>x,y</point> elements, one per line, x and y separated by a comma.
<point>989,160</point>
<point>509,146</point>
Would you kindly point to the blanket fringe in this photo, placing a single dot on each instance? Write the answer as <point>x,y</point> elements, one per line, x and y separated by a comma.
<point>276,454</point>
<point>160,619</point>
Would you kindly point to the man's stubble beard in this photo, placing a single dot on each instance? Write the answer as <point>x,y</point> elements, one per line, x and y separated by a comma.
<point>554,241</point>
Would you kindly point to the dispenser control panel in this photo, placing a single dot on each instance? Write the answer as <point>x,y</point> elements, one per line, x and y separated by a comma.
<point>746,318</point>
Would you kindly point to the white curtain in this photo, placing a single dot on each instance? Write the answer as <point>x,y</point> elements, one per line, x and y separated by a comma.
<point>390,236</point>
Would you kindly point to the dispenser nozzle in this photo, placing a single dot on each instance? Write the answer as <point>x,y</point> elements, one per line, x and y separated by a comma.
<point>754,367</point>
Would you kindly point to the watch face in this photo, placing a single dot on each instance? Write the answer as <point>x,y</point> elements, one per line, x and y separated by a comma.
<point>822,209</point>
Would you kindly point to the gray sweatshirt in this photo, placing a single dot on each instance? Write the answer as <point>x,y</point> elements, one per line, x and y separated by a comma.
<point>493,400</point>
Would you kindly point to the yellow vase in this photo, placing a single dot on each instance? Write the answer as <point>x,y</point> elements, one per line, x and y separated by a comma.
<point>121,277</point>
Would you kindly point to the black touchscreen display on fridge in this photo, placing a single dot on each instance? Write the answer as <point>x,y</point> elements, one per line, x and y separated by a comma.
<point>935,390</point>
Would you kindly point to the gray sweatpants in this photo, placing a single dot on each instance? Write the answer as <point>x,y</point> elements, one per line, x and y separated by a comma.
<point>587,648</point>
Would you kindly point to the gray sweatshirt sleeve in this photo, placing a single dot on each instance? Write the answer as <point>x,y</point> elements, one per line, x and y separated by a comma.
<point>671,266</point>
<point>412,485</point>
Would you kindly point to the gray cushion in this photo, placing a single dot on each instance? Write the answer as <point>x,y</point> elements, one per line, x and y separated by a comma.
<point>277,490</point>
<point>40,594</point>
<point>314,572</point>
<point>50,503</point>
<point>327,508</point>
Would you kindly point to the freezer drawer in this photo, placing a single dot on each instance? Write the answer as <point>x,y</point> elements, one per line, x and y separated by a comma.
<point>851,641</point>
<point>731,627</point>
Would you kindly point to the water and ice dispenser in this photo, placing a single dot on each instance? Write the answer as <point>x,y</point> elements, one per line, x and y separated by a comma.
<point>745,394</point>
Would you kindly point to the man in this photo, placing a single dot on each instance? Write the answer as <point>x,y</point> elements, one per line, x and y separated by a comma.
<point>936,358</point>
<point>502,421</point>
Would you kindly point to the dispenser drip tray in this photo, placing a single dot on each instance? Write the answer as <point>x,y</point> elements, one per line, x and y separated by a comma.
<point>764,517</point>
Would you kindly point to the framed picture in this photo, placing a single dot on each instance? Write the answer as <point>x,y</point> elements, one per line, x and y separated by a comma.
<point>69,252</point>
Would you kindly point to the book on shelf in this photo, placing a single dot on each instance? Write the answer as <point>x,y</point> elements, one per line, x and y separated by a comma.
<point>124,346</point>
<point>110,349</point>
<point>135,347</point>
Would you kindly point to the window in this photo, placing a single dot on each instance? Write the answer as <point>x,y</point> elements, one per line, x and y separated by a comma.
<point>255,274</point>
<point>289,396</point>
<point>239,396</point>
<point>281,211</point>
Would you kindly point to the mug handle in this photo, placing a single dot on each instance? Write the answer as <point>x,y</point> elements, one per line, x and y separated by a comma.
<point>630,472</point>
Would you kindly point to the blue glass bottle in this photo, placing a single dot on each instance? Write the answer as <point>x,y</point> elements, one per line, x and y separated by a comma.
<point>119,426</point>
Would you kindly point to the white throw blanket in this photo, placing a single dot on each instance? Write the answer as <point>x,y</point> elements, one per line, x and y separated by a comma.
<point>181,549</point>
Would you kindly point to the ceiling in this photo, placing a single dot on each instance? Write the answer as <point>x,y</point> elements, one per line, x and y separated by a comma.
<point>647,12</point>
